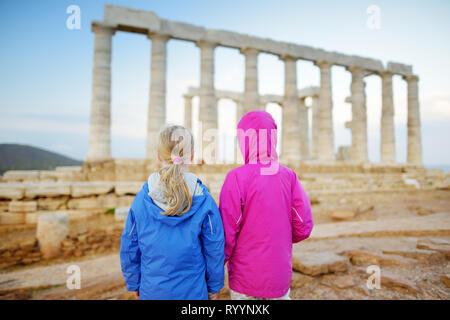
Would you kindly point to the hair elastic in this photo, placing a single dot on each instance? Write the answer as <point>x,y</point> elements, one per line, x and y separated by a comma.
<point>176,160</point>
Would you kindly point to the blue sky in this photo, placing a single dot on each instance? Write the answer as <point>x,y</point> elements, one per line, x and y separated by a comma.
<point>46,69</point>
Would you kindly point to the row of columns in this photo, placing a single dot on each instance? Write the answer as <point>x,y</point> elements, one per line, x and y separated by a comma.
<point>295,122</point>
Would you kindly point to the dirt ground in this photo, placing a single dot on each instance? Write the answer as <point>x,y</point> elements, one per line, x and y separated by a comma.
<point>407,271</point>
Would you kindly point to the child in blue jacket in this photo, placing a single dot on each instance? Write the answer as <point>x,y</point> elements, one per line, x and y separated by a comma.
<point>172,246</point>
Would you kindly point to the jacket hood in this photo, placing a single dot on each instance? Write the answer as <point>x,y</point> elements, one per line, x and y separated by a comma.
<point>257,137</point>
<point>157,197</point>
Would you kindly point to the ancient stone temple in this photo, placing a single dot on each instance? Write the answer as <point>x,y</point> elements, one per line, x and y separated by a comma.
<point>295,113</point>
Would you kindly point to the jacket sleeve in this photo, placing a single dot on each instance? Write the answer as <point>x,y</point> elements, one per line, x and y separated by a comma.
<point>213,247</point>
<point>302,222</point>
<point>230,207</point>
<point>130,254</point>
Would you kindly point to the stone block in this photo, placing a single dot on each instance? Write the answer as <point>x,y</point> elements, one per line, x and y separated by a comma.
<point>47,190</point>
<point>85,189</point>
<point>52,229</point>
<point>83,203</point>
<point>52,204</point>
<point>127,188</point>
<point>115,15</point>
<point>342,215</point>
<point>12,218</point>
<point>107,201</point>
<point>125,201</point>
<point>399,68</point>
<point>21,175</point>
<point>22,206</point>
<point>315,264</point>
<point>12,191</point>
<point>121,213</point>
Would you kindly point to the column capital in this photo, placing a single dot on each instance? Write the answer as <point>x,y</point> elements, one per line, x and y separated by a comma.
<point>385,74</point>
<point>206,44</point>
<point>323,64</point>
<point>188,96</point>
<point>286,57</point>
<point>411,78</point>
<point>354,69</point>
<point>99,27</point>
<point>249,51</point>
<point>158,36</point>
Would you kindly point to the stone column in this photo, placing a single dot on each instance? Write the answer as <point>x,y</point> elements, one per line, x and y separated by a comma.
<point>414,130</point>
<point>315,125</point>
<point>239,110</point>
<point>291,139</point>
<point>251,96</point>
<point>100,118</point>
<point>156,117</point>
<point>387,144</point>
<point>188,111</point>
<point>325,146</point>
<point>207,103</point>
<point>304,129</point>
<point>358,124</point>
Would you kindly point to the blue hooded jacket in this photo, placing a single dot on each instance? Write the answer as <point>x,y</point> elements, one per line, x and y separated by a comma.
<point>173,257</point>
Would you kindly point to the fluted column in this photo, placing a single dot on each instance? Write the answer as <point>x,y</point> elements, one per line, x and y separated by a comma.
<point>315,125</point>
<point>414,123</point>
<point>100,117</point>
<point>251,95</point>
<point>239,110</point>
<point>387,146</point>
<point>188,111</point>
<point>207,103</point>
<point>358,124</point>
<point>325,147</point>
<point>156,117</point>
<point>291,139</point>
<point>303,124</point>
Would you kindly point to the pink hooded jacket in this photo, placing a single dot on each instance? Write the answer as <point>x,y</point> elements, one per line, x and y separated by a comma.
<point>264,210</point>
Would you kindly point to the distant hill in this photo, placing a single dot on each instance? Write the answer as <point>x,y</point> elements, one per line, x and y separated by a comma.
<point>23,157</point>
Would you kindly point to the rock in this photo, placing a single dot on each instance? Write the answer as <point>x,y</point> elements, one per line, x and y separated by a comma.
<point>121,214</point>
<point>21,175</point>
<point>31,217</point>
<point>12,191</point>
<point>343,214</point>
<point>125,201</point>
<point>47,190</point>
<point>22,206</point>
<point>395,281</point>
<point>365,208</point>
<point>419,254</point>
<point>340,282</point>
<point>12,218</point>
<point>299,280</point>
<point>52,229</point>
<point>83,203</point>
<point>445,185</point>
<point>107,201</point>
<point>428,245</point>
<point>127,188</point>
<point>425,212</point>
<point>412,182</point>
<point>79,214</point>
<point>85,189</point>
<point>445,279</point>
<point>364,258</point>
<point>52,204</point>
<point>319,263</point>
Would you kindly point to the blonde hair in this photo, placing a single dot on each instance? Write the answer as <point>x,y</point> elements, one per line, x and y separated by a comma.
<point>175,143</point>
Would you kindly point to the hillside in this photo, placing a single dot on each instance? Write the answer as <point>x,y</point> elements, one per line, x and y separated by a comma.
<point>23,157</point>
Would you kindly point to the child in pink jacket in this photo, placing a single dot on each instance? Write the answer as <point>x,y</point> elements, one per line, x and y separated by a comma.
<point>265,210</point>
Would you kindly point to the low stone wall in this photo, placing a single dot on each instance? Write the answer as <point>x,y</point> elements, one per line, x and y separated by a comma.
<point>78,245</point>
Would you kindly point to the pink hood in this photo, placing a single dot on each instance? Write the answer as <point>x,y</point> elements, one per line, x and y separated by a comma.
<point>264,210</point>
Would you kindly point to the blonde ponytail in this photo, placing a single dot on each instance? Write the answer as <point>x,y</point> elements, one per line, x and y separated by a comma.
<point>175,147</point>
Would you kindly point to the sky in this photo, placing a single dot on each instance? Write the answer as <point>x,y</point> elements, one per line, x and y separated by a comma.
<point>46,68</point>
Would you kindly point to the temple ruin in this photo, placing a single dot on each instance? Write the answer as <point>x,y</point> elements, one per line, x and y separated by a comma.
<point>294,112</point>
